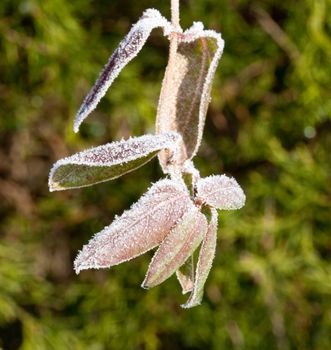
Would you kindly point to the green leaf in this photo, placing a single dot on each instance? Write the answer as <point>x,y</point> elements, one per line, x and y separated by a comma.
<point>185,275</point>
<point>108,161</point>
<point>186,86</point>
<point>205,261</point>
<point>128,48</point>
<point>221,192</point>
<point>177,247</point>
<point>137,230</point>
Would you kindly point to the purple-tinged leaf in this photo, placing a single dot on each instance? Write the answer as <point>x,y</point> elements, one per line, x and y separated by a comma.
<point>186,86</point>
<point>126,51</point>
<point>221,192</point>
<point>177,247</point>
<point>137,230</point>
<point>109,161</point>
<point>205,261</point>
<point>185,275</point>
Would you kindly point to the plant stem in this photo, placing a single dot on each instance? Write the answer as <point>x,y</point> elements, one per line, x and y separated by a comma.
<point>173,37</point>
<point>175,13</point>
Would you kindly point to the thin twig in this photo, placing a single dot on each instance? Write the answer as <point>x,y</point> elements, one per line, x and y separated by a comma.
<point>277,33</point>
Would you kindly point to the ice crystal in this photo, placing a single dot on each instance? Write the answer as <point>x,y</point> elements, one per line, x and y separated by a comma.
<point>221,192</point>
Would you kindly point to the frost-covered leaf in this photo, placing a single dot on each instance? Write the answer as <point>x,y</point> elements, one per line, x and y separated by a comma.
<point>108,161</point>
<point>137,230</point>
<point>221,192</point>
<point>126,51</point>
<point>186,86</point>
<point>177,247</point>
<point>205,261</point>
<point>185,275</point>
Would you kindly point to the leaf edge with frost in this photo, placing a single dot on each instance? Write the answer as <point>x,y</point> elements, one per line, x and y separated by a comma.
<point>127,49</point>
<point>205,262</point>
<point>121,231</point>
<point>176,247</point>
<point>85,162</point>
<point>214,189</point>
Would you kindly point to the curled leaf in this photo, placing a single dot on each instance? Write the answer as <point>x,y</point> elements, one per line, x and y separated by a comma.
<point>205,261</point>
<point>185,93</point>
<point>108,161</point>
<point>185,275</point>
<point>126,51</point>
<point>177,247</point>
<point>137,230</point>
<point>221,192</point>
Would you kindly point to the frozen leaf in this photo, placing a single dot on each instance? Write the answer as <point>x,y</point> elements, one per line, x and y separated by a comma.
<point>186,86</point>
<point>108,161</point>
<point>126,51</point>
<point>137,230</point>
<point>221,192</point>
<point>177,247</point>
<point>185,275</point>
<point>205,261</point>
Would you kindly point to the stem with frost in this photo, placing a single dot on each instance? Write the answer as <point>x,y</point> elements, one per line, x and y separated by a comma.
<point>175,13</point>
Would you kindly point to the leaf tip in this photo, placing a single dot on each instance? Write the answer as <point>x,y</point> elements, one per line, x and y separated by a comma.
<point>189,304</point>
<point>145,285</point>
<point>77,122</point>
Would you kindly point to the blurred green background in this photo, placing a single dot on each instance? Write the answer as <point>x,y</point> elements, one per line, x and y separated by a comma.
<point>268,126</point>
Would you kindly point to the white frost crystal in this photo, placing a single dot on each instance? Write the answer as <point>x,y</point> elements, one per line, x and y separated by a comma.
<point>109,161</point>
<point>128,48</point>
<point>221,192</point>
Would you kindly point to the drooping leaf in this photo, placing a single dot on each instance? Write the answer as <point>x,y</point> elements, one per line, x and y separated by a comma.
<point>177,247</point>
<point>137,230</point>
<point>185,275</point>
<point>205,261</point>
<point>186,86</point>
<point>128,48</point>
<point>221,192</point>
<point>108,161</point>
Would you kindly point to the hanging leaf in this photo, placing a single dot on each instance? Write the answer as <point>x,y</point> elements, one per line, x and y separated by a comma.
<point>185,275</point>
<point>186,86</point>
<point>205,261</point>
<point>221,192</point>
<point>108,161</point>
<point>137,230</point>
<point>177,247</point>
<point>126,51</point>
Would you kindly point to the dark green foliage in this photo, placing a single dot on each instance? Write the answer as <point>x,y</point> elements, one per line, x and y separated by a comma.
<point>268,125</point>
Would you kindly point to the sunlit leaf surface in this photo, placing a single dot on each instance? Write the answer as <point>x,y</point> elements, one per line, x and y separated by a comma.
<point>138,229</point>
<point>128,48</point>
<point>108,161</point>
<point>221,192</point>
<point>177,247</point>
<point>186,86</point>
<point>185,275</point>
<point>205,261</point>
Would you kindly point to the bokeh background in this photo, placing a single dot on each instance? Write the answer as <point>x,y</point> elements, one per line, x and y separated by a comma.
<point>268,126</point>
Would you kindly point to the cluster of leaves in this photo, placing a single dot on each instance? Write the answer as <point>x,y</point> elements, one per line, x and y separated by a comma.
<point>170,214</point>
<point>268,125</point>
